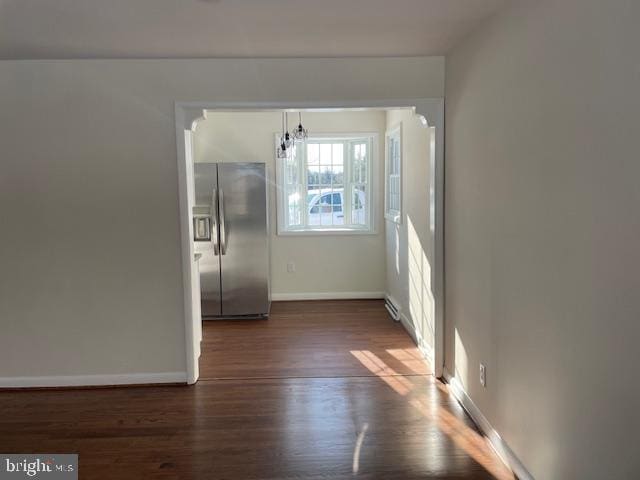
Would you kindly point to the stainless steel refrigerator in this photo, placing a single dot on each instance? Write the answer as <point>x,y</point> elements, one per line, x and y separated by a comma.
<point>231,233</point>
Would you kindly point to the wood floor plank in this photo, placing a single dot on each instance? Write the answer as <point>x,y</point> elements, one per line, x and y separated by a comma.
<point>377,426</point>
<point>311,339</point>
<point>266,429</point>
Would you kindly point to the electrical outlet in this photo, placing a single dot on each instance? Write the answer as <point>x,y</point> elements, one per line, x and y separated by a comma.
<point>291,267</point>
<point>483,375</point>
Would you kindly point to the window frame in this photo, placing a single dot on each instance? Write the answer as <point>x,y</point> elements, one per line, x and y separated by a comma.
<point>371,197</point>
<point>394,133</point>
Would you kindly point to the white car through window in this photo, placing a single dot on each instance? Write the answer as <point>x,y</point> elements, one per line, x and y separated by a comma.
<point>327,207</point>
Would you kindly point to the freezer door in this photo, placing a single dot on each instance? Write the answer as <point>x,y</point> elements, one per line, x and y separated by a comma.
<point>206,181</point>
<point>244,260</point>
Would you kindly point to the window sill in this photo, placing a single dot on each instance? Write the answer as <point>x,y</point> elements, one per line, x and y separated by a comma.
<point>324,232</point>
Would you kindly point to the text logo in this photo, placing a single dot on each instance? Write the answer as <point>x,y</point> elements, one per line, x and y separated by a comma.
<point>40,466</point>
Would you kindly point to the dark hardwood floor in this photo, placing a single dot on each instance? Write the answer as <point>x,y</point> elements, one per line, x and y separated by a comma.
<point>311,339</point>
<point>359,404</point>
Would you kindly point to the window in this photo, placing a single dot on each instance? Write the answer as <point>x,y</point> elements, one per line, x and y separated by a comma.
<point>393,175</point>
<point>325,185</point>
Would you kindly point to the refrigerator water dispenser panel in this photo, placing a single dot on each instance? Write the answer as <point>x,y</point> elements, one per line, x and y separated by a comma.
<point>202,229</point>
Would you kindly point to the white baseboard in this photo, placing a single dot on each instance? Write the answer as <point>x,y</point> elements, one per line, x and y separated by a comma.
<point>425,349</point>
<point>93,380</point>
<point>279,297</point>
<point>499,445</point>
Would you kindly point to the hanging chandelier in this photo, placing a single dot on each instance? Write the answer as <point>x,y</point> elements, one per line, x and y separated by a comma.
<point>287,139</point>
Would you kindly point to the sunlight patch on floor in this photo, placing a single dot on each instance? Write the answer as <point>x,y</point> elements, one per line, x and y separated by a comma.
<point>474,444</point>
<point>466,438</point>
<point>411,358</point>
<point>376,366</point>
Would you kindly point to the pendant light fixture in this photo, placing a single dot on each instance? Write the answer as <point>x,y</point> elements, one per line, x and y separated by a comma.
<point>288,141</point>
<point>281,152</point>
<point>300,133</point>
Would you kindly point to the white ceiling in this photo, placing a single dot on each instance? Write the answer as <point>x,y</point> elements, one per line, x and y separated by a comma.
<point>235,28</point>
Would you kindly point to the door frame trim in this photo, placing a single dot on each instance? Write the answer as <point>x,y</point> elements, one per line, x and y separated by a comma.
<point>189,114</point>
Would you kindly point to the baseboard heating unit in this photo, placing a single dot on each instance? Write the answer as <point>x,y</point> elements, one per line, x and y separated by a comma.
<point>392,308</point>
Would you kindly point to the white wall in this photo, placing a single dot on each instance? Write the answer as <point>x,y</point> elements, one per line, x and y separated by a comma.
<point>409,244</point>
<point>324,263</point>
<point>91,277</point>
<point>542,232</point>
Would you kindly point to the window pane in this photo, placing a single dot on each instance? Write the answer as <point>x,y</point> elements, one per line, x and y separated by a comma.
<point>313,205</point>
<point>291,171</point>
<point>313,175</point>
<point>338,217</point>
<point>393,193</point>
<point>359,166</point>
<point>393,179</point>
<point>313,153</point>
<point>357,201</point>
<point>325,175</point>
<point>326,218</point>
<point>325,202</point>
<point>359,204</point>
<point>338,154</point>
<point>333,175</point>
<point>394,156</point>
<point>325,154</point>
<point>294,213</point>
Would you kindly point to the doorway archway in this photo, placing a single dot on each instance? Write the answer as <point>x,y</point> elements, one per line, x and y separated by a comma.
<point>187,115</point>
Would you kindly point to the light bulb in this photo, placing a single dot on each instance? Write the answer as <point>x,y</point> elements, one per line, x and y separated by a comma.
<point>282,150</point>
<point>300,133</point>
<point>287,141</point>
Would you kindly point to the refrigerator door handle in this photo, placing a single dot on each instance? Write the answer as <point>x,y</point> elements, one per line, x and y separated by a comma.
<point>214,221</point>
<point>223,230</point>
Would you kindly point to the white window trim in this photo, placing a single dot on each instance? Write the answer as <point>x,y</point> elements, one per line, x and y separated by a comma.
<point>392,215</point>
<point>282,229</point>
